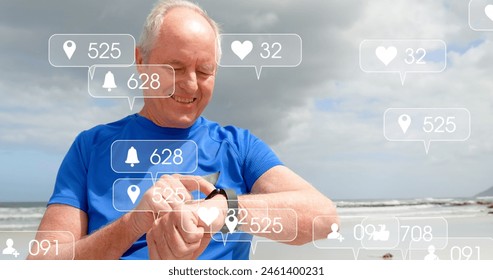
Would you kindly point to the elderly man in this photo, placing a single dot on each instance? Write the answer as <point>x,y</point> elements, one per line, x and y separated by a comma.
<point>258,186</point>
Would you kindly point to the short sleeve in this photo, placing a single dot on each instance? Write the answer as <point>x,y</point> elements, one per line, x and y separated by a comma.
<point>71,181</point>
<point>259,158</point>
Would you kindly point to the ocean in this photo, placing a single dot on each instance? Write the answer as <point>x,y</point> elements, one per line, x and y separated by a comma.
<point>19,216</point>
<point>446,207</point>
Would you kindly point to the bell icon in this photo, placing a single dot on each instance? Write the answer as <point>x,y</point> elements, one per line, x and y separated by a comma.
<point>109,81</point>
<point>132,157</point>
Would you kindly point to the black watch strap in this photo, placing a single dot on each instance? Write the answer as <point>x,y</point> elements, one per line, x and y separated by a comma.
<point>216,192</point>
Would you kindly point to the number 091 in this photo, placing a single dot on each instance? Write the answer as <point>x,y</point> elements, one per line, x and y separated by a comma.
<point>42,247</point>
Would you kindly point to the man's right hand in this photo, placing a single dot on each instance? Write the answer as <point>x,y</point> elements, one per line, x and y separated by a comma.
<point>180,234</point>
<point>162,197</point>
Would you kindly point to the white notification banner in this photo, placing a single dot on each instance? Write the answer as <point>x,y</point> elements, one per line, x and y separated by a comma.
<point>403,56</point>
<point>154,156</point>
<point>260,50</point>
<point>481,15</point>
<point>427,125</point>
<point>267,222</point>
<point>131,82</point>
<point>127,193</point>
<point>53,245</point>
<point>86,50</point>
<point>457,249</point>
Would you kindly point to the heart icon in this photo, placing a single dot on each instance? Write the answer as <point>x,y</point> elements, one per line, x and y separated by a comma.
<point>386,55</point>
<point>242,49</point>
<point>488,10</point>
<point>208,215</point>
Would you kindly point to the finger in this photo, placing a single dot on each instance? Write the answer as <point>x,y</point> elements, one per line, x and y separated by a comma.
<point>159,198</point>
<point>197,183</point>
<point>173,190</point>
<point>180,188</point>
<point>179,248</point>
<point>203,245</point>
<point>169,193</point>
<point>152,245</point>
<point>164,248</point>
<point>158,242</point>
<point>176,241</point>
<point>152,201</point>
<point>189,230</point>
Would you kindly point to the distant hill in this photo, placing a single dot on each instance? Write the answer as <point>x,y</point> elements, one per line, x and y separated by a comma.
<point>488,192</point>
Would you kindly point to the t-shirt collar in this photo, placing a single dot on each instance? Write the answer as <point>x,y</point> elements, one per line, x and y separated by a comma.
<point>148,124</point>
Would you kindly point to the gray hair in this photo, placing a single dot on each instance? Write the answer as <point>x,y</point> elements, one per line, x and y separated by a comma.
<point>155,19</point>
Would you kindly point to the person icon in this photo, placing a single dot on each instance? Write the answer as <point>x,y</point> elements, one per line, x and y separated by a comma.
<point>10,250</point>
<point>334,234</point>
<point>431,254</point>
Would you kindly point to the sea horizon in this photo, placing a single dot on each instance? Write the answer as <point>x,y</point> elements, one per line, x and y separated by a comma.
<point>35,203</point>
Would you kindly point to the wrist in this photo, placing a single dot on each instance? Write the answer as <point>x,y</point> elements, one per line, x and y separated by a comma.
<point>139,222</point>
<point>219,202</point>
<point>230,218</point>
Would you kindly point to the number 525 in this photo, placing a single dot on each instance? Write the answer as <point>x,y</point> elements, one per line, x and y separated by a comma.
<point>439,124</point>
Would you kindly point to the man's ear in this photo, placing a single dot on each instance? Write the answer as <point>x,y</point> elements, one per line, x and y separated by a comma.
<point>138,60</point>
<point>138,56</point>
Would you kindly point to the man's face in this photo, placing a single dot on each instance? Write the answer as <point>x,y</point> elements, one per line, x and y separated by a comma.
<point>187,43</point>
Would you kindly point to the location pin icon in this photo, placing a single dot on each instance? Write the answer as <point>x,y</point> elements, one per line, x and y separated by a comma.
<point>133,193</point>
<point>231,222</point>
<point>404,122</point>
<point>69,48</point>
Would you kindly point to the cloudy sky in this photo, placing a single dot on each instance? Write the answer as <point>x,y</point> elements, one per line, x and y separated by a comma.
<point>324,118</point>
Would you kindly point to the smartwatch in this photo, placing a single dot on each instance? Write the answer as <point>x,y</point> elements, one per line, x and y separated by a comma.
<point>232,200</point>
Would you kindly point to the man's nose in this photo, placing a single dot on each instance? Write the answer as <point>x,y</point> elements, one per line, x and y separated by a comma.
<point>189,83</point>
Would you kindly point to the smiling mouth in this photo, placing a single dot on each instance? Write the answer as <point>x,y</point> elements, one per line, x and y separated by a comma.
<point>183,100</point>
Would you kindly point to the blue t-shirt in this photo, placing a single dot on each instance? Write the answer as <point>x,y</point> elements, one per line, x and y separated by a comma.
<point>86,179</point>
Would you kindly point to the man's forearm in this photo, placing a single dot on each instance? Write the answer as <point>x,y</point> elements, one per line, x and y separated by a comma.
<point>109,242</point>
<point>286,216</point>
